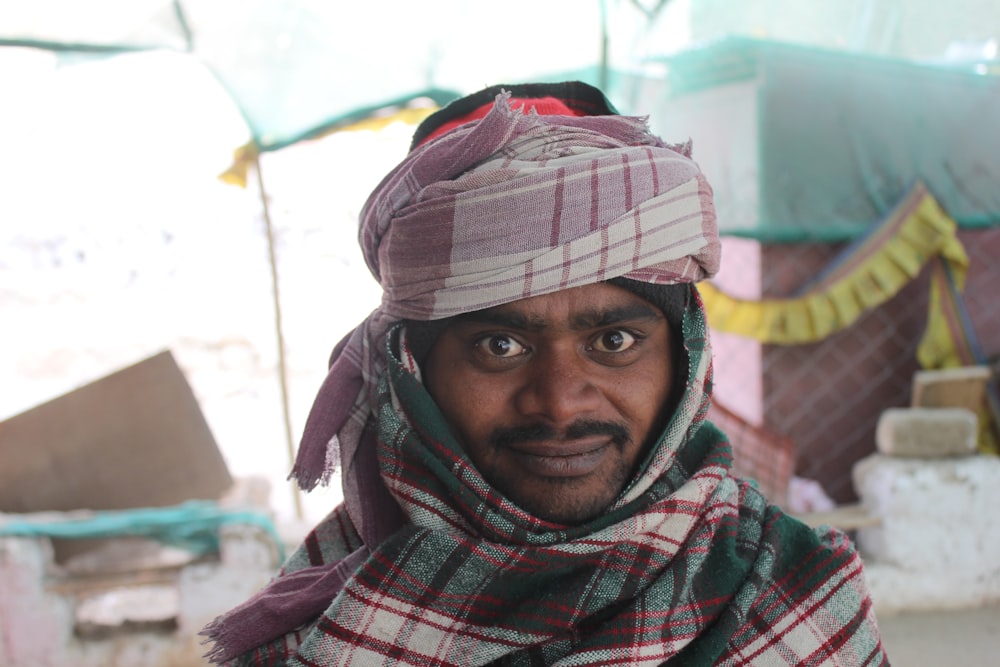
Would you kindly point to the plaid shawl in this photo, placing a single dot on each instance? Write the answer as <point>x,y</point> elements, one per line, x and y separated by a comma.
<point>425,563</point>
<point>690,566</point>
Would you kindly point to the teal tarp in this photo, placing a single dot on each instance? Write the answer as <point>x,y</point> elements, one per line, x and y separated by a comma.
<point>295,68</point>
<point>193,525</point>
<point>842,136</point>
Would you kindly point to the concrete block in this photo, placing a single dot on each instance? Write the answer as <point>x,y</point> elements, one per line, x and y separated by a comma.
<point>248,561</point>
<point>895,589</point>
<point>927,433</point>
<point>35,626</point>
<point>151,608</point>
<point>937,541</point>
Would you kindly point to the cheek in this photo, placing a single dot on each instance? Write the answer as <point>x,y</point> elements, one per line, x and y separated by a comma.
<point>471,404</point>
<point>645,397</point>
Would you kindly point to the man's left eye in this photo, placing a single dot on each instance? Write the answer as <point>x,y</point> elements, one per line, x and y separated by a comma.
<point>614,341</point>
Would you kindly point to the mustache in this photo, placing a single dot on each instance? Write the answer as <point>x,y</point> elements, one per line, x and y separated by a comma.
<point>513,435</point>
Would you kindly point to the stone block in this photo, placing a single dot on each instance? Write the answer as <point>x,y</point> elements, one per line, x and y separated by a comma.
<point>35,625</point>
<point>927,433</point>
<point>896,590</point>
<point>962,387</point>
<point>124,610</point>
<point>937,541</point>
<point>248,561</point>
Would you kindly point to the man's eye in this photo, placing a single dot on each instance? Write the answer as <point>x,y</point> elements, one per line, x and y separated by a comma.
<point>500,346</point>
<point>614,341</point>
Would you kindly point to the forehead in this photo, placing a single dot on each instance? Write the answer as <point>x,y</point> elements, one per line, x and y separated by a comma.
<point>584,307</point>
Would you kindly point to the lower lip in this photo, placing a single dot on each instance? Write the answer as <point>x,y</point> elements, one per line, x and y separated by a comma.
<point>576,465</point>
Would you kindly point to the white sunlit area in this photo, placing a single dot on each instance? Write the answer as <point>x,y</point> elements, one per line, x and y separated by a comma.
<point>126,243</point>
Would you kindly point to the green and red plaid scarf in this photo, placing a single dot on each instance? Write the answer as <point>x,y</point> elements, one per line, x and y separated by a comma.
<point>690,566</point>
<point>425,563</point>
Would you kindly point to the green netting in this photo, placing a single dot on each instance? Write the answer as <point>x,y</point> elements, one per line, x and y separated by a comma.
<point>193,525</point>
<point>840,137</point>
<point>297,68</point>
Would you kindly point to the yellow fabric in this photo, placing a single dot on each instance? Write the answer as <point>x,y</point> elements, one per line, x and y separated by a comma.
<point>946,345</point>
<point>938,348</point>
<point>987,441</point>
<point>917,232</point>
<point>246,155</point>
<point>243,158</point>
<point>837,302</point>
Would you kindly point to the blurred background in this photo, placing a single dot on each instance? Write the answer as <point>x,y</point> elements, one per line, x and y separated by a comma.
<point>186,175</point>
<point>813,121</point>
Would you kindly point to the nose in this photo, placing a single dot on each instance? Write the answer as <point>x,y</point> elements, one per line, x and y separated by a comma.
<point>558,388</point>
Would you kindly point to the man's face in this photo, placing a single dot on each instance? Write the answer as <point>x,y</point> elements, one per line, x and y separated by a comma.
<point>555,397</point>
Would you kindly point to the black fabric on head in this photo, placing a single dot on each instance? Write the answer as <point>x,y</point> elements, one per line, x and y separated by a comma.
<point>421,336</point>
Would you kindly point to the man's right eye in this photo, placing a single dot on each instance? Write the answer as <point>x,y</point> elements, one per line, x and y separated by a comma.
<point>500,345</point>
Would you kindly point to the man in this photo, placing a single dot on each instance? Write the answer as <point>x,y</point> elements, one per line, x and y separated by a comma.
<point>529,478</point>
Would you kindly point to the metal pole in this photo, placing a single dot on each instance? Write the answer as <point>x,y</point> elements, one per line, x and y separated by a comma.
<point>282,365</point>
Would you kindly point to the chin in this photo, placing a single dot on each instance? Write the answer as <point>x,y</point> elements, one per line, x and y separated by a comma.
<point>569,513</point>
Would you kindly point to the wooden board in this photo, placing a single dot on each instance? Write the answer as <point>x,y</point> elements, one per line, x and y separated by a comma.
<point>136,438</point>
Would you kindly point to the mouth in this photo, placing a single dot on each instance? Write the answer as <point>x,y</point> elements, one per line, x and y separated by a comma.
<point>576,458</point>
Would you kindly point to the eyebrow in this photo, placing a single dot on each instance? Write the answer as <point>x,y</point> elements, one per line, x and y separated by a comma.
<point>589,319</point>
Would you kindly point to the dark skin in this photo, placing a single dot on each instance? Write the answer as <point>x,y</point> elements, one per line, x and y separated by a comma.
<point>555,398</point>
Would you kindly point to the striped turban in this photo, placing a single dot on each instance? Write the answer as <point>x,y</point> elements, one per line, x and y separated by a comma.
<point>514,204</point>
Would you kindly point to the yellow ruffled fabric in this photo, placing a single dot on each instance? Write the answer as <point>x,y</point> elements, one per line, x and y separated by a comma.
<point>893,255</point>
